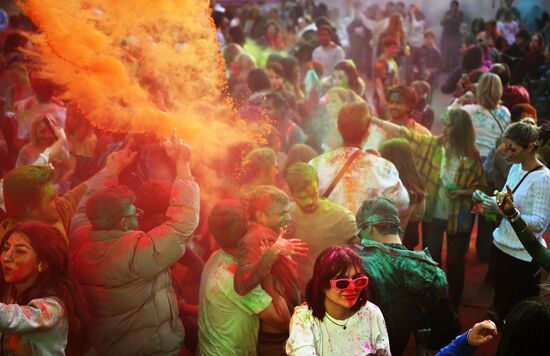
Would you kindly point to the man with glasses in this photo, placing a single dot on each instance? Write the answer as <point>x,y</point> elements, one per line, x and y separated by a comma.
<point>124,272</point>
<point>408,286</point>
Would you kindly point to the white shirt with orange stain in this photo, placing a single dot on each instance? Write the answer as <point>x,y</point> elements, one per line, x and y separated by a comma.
<point>369,176</point>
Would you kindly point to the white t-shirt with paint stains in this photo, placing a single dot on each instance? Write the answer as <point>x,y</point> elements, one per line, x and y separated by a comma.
<point>369,176</point>
<point>364,334</point>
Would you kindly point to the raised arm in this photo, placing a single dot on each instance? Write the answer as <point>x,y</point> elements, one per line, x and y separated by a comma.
<point>301,340</point>
<point>540,254</point>
<point>38,314</point>
<point>389,127</point>
<point>162,246</point>
<point>106,177</point>
<point>255,265</point>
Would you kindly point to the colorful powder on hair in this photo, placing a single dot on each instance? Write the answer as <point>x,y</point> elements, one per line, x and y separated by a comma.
<point>139,66</point>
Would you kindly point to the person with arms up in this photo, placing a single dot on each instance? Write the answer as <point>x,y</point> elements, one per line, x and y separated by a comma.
<point>124,272</point>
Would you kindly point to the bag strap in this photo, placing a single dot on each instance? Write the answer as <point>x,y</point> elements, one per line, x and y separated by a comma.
<point>496,120</point>
<point>525,176</point>
<point>343,170</point>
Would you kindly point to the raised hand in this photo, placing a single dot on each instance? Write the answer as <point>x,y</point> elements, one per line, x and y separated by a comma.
<point>177,149</point>
<point>121,159</point>
<point>482,333</point>
<point>289,247</point>
<point>505,201</point>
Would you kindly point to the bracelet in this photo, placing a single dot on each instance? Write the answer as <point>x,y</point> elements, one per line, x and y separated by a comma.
<point>514,217</point>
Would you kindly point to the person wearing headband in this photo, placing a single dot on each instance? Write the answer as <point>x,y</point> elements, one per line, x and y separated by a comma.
<point>407,285</point>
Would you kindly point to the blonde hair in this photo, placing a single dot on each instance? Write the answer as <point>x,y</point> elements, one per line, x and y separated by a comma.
<point>33,134</point>
<point>489,91</point>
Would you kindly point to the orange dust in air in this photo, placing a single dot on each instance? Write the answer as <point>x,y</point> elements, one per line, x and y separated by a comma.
<point>139,66</point>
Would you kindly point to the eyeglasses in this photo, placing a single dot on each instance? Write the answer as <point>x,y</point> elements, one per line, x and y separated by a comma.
<point>137,214</point>
<point>344,283</point>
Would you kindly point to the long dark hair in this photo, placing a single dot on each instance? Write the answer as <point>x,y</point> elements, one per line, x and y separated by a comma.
<point>398,151</point>
<point>332,262</point>
<point>51,248</point>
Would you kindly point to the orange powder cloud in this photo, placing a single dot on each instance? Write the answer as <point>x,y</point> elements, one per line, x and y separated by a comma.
<point>139,66</point>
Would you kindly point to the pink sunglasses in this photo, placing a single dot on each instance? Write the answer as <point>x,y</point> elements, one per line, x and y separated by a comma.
<point>344,283</point>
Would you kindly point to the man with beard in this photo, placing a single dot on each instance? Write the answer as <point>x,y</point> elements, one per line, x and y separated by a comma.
<point>319,222</point>
<point>266,259</point>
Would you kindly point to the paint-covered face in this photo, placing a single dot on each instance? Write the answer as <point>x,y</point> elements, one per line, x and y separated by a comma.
<point>44,135</point>
<point>130,220</point>
<point>19,261</point>
<point>275,79</point>
<point>340,79</point>
<point>271,111</point>
<point>276,217</point>
<point>391,51</point>
<point>514,152</point>
<point>325,37</point>
<point>308,199</point>
<point>343,298</point>
<point>398,109</point>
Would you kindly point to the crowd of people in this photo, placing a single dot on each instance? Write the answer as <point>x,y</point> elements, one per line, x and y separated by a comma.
<point>327,236</point>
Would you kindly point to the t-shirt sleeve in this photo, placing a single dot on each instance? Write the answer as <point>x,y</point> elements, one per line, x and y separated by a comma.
<point>347,228</point>
<point>380,337</point>
<point>253,303</point>
<point>395,190</point>
<point>301,340</point>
